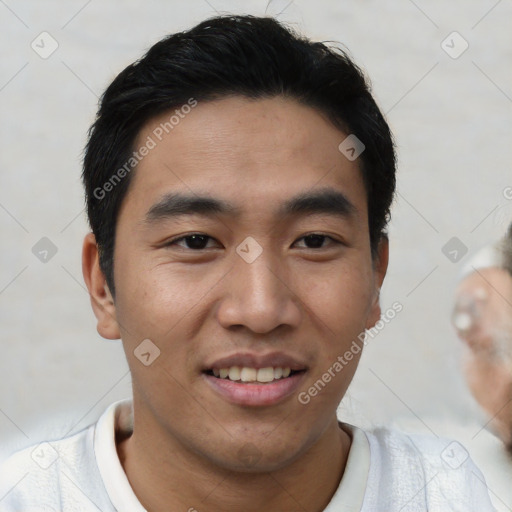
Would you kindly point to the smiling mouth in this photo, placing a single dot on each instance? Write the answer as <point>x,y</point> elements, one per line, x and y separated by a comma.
<point>247,375</point>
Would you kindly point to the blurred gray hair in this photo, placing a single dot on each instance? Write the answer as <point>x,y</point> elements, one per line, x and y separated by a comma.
<point>506,250</point>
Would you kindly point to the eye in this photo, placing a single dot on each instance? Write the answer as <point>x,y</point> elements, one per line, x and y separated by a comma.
<point>195,241</point>
<point>199,241</point>
<point>315,240</point>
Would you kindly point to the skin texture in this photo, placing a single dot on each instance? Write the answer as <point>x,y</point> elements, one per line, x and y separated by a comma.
<point>486,295</point>
<point>188,442</point>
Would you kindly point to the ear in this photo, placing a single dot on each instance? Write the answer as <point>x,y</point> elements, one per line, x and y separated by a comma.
<point>380,267</point>
<point>101,298</point>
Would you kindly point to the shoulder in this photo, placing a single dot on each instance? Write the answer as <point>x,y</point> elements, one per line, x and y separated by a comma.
<point>47,475</point>
<point>425,472</point>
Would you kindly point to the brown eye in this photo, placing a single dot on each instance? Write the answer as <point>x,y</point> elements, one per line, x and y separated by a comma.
<point>316,240</point>
<point>196,241</point>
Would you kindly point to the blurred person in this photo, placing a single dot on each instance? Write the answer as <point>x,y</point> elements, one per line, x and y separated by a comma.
<point>482,317</point>
<point>483,320</point>
<point>238,180</point>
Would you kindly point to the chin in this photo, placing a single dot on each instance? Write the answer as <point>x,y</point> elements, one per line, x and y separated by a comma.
<point>251,458</point>
<point>503,431</point>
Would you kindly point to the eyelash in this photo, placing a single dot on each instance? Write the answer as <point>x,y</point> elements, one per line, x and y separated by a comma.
<point>179,239</point>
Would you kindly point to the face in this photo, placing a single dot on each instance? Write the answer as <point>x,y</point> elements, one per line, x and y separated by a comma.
<point>483,319</point>
<point>242,247</point>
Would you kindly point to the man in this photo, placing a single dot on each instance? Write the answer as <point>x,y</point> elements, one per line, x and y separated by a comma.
<point>238,182</point>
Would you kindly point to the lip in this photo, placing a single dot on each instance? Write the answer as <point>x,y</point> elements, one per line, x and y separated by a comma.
<point>254,360</point>
<point>255,394</point>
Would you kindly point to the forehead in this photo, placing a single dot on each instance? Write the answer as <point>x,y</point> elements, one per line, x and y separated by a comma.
<point>250,152</point>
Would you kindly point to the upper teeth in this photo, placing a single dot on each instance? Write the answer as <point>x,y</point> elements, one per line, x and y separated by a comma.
<point>246,374</point>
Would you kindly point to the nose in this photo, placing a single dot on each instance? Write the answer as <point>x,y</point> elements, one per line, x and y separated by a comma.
<point>468,309</point>
<point>259,296</point>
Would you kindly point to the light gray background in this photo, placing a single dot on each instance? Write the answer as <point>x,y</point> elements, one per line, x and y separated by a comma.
<point>451,118</point>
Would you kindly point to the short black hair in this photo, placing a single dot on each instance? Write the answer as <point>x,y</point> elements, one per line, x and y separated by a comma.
<point>248,56</point>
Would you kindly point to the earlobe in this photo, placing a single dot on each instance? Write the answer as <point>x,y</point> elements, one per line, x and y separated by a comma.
<point>382,261</point>
<point>380,269</point>
<point>102,301</point>
<point>375,311</point>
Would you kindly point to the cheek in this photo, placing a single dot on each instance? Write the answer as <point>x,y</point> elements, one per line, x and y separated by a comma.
<point>339,304</point>
<point>153,293</point>
<point>158,305</point>
<point>341,297</point>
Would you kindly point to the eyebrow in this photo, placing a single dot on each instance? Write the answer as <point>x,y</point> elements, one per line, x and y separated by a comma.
<point>324,201</point>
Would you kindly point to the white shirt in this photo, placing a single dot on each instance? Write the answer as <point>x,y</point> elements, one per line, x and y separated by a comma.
<point>485,449</point>
<point>386,471</point>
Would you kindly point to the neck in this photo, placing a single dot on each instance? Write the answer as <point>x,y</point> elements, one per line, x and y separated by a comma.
<point>166,475</point>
